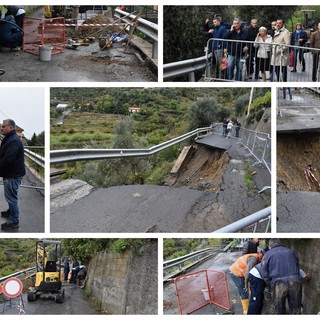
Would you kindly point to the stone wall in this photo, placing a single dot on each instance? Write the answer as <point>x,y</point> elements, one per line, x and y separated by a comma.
<point>125,283</point>
<point>307,251</point>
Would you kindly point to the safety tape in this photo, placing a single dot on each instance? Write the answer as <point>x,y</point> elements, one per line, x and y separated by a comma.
<point>82,25</point>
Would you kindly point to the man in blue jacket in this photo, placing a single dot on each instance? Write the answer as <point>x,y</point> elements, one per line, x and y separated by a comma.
<point>217,32</point>
<point>10,33</point>
<point>236,49</point>
<point>280,267</point>
<point>12,170</point>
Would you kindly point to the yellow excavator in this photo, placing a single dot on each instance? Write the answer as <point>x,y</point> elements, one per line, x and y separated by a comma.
<point>48,276</point>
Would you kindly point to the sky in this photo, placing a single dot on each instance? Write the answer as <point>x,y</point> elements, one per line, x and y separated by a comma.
<point>25,106</point>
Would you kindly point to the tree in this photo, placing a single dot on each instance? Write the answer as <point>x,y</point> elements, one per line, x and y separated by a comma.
<point>205,111</point>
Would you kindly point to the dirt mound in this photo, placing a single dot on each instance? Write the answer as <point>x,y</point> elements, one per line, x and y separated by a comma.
<point>204,171</point>
<point>294,152</point>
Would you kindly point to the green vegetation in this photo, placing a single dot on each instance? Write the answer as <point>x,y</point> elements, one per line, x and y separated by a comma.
<point>174,248</point>
<point>19,254</point>
<point>248,176</point>
<point>99,118</point>
<point>184,36</point>
<point>16,254</point>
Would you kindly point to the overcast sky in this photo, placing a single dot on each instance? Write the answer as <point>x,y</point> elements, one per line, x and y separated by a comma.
<point>25,106</point>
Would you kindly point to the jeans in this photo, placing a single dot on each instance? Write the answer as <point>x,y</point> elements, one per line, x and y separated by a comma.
<point>299,52</point>
<point>290,290</point>
<point>11,188</point>
<point>239,282</point>
<point>257,296</point>
<point>235,62</point>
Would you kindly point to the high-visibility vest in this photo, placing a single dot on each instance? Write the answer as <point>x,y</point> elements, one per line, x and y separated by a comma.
<point>240,266</point>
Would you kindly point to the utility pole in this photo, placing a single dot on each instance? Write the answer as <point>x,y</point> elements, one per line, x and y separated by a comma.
<point>250,101</point>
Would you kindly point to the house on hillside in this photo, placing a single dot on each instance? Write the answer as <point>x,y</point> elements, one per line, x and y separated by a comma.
<point>63,106</point>
<point>19,132</point>
<point>134,109</point>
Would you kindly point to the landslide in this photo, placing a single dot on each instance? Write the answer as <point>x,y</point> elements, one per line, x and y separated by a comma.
<point>203,172</point>
<point>294,152</point>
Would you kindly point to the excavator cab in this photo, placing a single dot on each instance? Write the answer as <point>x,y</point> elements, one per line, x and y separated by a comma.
<point>48,276</point>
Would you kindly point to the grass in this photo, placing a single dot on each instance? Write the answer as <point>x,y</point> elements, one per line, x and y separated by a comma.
<point>248,176</point>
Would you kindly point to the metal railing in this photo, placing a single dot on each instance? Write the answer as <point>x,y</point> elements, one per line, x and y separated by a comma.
<point>257,143</point>
<point>19,274</point>
<point>253,221</point>
<point>188,67</point>
<point>61,156</point>
<point>34,156</point>
<point>249,64</point>
<point>174,267</point>
<point>150,29</point>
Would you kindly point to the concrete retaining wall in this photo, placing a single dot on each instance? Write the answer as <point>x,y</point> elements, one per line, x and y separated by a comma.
<point>125,283</point>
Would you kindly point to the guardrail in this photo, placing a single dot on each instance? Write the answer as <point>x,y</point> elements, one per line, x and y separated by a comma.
<point>60,156</point>
<point>18,274</point>
<point>253,221</point>
<point>150,29</point>
<point>34,156</point>
<point>189,67</point>
<point>193,259</point>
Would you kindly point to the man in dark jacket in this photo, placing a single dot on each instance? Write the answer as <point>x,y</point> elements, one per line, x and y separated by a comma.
<point>253,30</point>
<point>12,170</point>
<point>217,32</point>
<point>251,246</point>
<point>280,267</point>
<point>236,49</point>
<point>10,34</point>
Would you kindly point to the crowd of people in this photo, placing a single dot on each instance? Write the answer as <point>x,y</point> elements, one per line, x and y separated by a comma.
<point>263,50</point>
<point>275,267</point>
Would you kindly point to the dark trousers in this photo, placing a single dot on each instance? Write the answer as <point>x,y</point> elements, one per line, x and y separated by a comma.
<point>287,290</point>
<point>257,296</point>
<point>315,60</point>
<point>284,73</point>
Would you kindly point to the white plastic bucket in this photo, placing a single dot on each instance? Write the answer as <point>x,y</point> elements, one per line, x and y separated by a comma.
<point>205,293</point>
<point>45,53</point>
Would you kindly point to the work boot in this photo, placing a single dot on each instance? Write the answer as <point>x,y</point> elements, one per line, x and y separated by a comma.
<point>245,305</point>
<point>10,225</point>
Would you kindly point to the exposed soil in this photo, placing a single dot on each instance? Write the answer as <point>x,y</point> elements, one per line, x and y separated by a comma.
<point>294,152</point>
<point>204,172</point>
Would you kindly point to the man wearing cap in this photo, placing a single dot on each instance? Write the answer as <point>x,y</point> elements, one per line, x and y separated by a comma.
<point>280,267</point>
<point>240,273</point>
<point>12,170</point>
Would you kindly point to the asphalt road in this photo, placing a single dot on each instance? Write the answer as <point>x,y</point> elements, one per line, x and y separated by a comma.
<point>221,262</point>
<point>298,211</point>
<point>301,114</point>
<point>137,208</point>
<point>75,303</point>
<point>86,64</point>
<point>31,205</point>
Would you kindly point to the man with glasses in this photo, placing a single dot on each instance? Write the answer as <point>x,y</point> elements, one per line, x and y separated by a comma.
<point>12,170</point>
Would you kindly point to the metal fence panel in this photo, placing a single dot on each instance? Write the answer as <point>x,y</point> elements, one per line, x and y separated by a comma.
<point>198,289</point>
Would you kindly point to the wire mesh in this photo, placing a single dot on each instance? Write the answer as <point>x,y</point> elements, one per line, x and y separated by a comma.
<point>38,31</point>
<point>198,289</point>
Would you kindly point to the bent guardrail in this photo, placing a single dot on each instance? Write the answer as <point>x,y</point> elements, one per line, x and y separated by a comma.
<point>150,29</point>
<point>60,156</point>
<point>253,220</point>
<point>18,274</point>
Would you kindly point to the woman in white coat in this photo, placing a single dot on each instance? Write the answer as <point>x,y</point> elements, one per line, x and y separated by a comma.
<point>263,45</point>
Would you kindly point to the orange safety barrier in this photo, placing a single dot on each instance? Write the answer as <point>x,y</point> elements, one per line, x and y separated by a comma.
<point>197,290</point>
<point>39,31</point>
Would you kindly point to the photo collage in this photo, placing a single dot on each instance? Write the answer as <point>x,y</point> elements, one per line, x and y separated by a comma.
<point>159,160</point>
